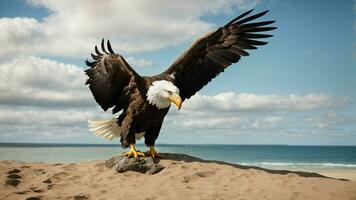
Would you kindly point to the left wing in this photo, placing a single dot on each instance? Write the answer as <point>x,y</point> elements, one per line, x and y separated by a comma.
<point>211,54</point>
<point>109,78</point>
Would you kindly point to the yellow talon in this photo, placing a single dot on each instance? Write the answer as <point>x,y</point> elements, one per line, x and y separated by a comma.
<point>153,153</point>
<point>133,152</point>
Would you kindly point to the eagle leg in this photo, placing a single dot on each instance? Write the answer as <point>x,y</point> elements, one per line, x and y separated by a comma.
<point>153,153</point>
<point>133,152</point>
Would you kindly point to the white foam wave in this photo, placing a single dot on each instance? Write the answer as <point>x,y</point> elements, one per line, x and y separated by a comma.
<point>291,164</point>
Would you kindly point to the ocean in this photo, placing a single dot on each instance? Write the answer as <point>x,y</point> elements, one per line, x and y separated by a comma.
<point>267,156</point>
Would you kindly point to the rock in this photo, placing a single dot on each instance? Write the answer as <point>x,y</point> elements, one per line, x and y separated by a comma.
<point>81,197</point>
<point>13,182</point>
<point>14,171</point>
<point>33,198</point>
<point>47,181</point>
<point>155,169</point>
<point>49,186</point>
<point>142,164</point>
<point>14,176</point>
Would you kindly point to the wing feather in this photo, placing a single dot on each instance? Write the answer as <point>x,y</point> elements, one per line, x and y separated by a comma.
<point>109,75</point>
<point>211,54</point>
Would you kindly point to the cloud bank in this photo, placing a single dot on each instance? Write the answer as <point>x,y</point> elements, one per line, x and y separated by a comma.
<point>35,81</point>
<point>232,102</point>
<point>42,98</point>
<point>72,28</point>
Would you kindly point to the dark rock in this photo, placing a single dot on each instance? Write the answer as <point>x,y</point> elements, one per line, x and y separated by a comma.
<point>142,164</point>
<point>57,164</point>
<point>14,171</point>
<point>81,197</point>
<point>13,182</point>
<point>33,198</point>
<point>47,181</point>
<point>155,169</point>
<point>49,186</point>
<point>14,176</point>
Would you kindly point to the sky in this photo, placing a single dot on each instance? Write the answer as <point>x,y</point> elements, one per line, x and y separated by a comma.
<point>299,89</point>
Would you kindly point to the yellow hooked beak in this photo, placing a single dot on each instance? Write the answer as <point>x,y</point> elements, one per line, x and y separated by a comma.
<point>175,98</point>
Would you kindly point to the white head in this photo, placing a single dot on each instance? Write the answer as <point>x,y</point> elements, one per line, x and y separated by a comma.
<point>162,93</point>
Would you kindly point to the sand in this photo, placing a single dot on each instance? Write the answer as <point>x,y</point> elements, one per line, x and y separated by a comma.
<point>181,179</point>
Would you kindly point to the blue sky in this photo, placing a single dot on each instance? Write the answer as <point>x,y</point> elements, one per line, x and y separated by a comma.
<point>298,89</point>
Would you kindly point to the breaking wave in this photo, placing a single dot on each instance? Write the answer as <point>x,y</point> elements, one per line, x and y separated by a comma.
<point>291,164</point>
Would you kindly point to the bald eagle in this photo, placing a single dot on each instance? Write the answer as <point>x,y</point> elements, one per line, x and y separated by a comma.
<point>145,100</point>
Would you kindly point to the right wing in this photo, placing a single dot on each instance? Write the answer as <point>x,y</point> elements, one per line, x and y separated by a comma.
<point>109,78</point>
<point>213,53</point>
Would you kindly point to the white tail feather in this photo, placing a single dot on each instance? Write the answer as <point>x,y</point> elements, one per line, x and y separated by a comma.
<point>109,129</point>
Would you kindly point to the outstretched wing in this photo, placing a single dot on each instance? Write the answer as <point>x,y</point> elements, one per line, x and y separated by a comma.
<point>211,54</point>
<point>109,77</point>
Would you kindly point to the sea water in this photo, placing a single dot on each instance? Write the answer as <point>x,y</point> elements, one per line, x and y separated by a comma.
<point>267,156</point>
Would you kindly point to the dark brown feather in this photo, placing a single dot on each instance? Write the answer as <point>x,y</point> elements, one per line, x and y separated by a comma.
<point>239,51</point>
<point>256,24</point>
<point>259,29</point>
<point>239,17</point>
<point>244,45</point>
<point>253,42</point>
<point>250,35</point>
<point>247,19</point>
<point>97,51</point>
<point>95,57</point>
<point>103,46</point>
<point>109,48</point>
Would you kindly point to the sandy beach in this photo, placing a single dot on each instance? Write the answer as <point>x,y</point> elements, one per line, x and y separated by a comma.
<point>182,178</point>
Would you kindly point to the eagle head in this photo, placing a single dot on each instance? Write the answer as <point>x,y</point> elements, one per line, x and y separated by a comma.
<point>162,93</point>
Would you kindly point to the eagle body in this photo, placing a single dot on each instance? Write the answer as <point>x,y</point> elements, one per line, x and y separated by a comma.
<point>142,117</point>
<point>145,100</point>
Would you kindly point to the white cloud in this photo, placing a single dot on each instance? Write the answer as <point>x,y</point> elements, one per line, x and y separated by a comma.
<point>275,115</point>
<point>331,119</point>
<point>36,81</point>
<point>72,28</point>
<point>34,116</point>
<point>231,124</point>
<point>233,102</point>
<point>17,33</point>
<point>139,62</point>
<point>36,122</point>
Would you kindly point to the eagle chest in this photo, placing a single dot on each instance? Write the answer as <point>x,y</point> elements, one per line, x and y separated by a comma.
<point>150,117</point>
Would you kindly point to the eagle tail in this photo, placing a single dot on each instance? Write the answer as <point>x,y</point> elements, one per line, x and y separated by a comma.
<point>108,129</point>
